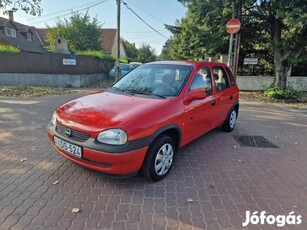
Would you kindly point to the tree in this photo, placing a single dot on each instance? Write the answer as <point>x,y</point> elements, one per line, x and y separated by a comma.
<point>131,50</point>
<point>81,33</point>
<point>146,54</point>
<point>28,6</point>
<point>276,25</point>
<point>167,50</point>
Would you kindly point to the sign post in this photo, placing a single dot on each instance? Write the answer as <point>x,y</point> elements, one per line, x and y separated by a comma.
<point>232,27</point>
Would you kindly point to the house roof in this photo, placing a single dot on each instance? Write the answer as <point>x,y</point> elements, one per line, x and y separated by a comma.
<point>24,45</point>
<point>43,33</point>
<point>107,40</point>
<point>3,21</point>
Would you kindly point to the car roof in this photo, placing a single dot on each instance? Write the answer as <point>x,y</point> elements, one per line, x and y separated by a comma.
<point>187,63</point>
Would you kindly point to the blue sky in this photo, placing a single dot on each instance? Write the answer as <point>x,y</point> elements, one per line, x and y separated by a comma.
<point>155,12</point>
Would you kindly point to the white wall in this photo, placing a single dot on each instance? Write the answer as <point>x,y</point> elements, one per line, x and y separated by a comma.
<point>257,83</point>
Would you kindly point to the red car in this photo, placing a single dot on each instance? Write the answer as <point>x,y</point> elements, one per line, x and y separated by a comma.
<point>139,123</point>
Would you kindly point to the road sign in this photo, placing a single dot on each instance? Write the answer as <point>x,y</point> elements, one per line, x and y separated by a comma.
<point>233,26</point>
<point>250,61</point>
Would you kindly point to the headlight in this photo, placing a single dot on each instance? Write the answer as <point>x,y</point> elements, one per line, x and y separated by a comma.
<point>53,119</point>
<point>113,137</point>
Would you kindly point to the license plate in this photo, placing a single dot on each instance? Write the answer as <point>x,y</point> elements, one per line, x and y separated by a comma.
<point>68,147</point>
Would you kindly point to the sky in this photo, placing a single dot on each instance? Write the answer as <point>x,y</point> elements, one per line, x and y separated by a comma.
<point>156,13</point>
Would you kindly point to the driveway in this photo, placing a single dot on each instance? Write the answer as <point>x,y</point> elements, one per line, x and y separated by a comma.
<point>214,181</point>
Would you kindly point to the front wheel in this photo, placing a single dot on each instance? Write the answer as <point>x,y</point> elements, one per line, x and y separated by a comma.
<point>159,159</point>
<point>230,122</point>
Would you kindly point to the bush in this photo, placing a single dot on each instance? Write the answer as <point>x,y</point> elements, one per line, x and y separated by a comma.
<point>100,55</point>
<point>8,49</point>
<point>97,54</point>
<point>278,93</point>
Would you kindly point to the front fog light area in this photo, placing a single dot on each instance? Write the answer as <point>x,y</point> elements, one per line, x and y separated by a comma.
<point>113,137</point>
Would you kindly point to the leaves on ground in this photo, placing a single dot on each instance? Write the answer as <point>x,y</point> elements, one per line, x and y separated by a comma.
<point>30,91</point>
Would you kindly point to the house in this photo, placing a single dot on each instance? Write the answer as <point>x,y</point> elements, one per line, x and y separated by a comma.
<point>109,40</point>
<point>26,38</point>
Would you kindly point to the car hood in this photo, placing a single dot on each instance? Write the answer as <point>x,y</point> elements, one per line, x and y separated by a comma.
<point>96,112</point>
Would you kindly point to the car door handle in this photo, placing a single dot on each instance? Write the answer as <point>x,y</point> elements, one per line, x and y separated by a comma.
<point>231,97</point>
<point>213,102</point>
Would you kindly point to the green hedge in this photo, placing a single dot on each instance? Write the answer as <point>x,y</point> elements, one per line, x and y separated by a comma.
<point>100,55</point>
<point>8,49</point>
<point>288,93</point>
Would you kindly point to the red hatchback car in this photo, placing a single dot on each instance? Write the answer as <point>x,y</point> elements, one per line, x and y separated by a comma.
<point>138,124</point>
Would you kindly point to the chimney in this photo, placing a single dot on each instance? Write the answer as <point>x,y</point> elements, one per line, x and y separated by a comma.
<point>11,15</point>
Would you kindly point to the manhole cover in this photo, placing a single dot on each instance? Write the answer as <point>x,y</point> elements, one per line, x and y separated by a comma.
<point>254,141</point>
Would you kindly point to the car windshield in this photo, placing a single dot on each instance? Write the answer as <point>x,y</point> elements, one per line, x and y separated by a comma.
<point>155,79</point>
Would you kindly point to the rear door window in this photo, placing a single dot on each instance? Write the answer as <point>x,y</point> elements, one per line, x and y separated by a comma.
<point>231,77</point>
<point>220,78</point>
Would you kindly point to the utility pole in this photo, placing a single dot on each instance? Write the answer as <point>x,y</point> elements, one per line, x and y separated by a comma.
<point>234,43</point>
<point>117,72</point>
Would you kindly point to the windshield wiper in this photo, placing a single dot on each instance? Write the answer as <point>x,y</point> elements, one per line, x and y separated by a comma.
<point>122,90</point>
<point>142,92</point>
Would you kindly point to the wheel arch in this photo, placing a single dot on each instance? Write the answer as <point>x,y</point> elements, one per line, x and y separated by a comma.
<point>172,131</point>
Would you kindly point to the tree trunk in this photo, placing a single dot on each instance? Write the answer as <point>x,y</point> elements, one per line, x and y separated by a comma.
<point>282,69</point>
<point>282,72</point>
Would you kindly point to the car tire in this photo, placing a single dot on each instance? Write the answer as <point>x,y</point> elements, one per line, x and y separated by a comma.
<point>159,158</point>
<point>230,121</point>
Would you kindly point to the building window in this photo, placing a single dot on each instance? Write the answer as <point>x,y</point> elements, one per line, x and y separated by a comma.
<point>13,32</point>
<point>29,36</point>
<point>10,32</point>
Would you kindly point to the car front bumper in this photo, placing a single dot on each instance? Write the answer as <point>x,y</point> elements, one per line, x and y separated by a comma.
<point>111,162</point>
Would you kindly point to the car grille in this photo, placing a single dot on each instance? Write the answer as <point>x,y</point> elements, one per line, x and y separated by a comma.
<point>74,134</point>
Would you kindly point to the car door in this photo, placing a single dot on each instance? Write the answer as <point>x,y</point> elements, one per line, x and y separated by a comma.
<point>223,92</point>
<point>200,114</point>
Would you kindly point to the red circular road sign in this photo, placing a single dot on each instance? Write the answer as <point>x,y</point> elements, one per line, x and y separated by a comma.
<point>233,26</point>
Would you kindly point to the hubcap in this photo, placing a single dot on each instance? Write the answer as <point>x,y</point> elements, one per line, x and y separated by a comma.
<point>164,159</point>
<point>232,119</point>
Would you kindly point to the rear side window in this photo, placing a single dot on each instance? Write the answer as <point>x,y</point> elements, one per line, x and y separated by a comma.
<point>231,77</point>
<point>220,78</point>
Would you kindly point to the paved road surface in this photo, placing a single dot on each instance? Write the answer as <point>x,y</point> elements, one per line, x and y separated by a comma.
<point>223,179</point>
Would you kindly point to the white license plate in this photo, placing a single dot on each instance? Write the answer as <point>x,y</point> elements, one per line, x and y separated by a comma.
<point>68,147</point>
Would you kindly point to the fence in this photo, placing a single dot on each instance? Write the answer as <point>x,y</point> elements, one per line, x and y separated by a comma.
<point>49,70</point>
<point>52,64</point>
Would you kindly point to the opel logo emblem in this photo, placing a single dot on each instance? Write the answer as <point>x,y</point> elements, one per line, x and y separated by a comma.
<point>68,132</point>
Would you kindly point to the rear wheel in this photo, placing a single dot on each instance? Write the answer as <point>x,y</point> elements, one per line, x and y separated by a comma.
<point>159,158</point>
<point>231,121</point>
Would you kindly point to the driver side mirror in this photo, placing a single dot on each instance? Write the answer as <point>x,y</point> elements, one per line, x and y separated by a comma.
<point>194,95</point>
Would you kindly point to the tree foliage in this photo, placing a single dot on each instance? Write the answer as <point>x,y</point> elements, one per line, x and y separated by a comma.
<point>167,50</point>
<point>81,32</point>
<point>276,26</point>
<point>131,50</point>
<point>28,6</point>
<point>146,54</point>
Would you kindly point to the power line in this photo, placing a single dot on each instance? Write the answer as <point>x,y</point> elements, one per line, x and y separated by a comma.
<point>145,12</point>
<point>140,32</point>
<point>63,15</point>
<point>68,9</point>
<point>148,36</point>
<point>142,19</point>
